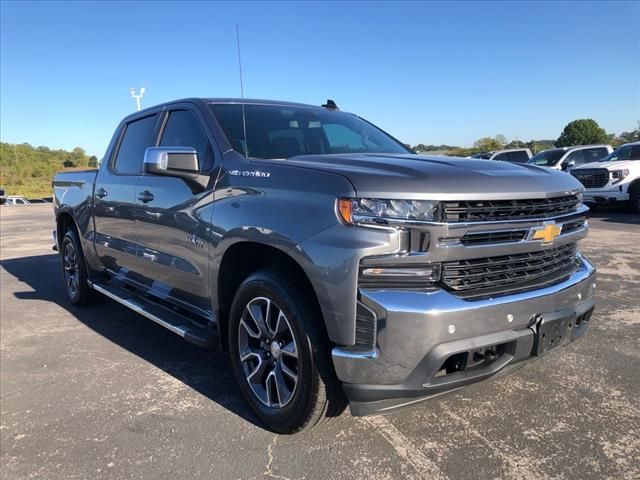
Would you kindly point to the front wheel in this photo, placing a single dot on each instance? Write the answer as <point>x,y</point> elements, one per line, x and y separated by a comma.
<point>280,354</point>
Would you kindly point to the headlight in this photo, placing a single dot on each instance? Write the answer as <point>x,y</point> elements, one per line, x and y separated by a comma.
<point>618,175</point>
<point>374,210</point>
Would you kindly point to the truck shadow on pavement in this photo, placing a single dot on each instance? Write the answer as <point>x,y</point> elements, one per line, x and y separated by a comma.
<point>205,370</point>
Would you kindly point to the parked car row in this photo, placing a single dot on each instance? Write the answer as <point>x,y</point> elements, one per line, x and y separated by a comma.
<point>513,155</point>
<point>613,179</point>
<point>568,157</point>
<point>608,176</point>
<point>557,158</point>
<point>16,200</point>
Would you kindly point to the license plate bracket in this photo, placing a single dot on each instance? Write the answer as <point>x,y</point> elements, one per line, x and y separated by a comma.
<point>553,331</point>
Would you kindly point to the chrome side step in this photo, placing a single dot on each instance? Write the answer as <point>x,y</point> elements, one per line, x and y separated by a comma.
<point>175,322</point>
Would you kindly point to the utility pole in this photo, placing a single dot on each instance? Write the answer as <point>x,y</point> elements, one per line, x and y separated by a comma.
<point>138,97</point>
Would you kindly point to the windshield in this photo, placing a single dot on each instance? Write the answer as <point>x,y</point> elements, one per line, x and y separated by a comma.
<point>278,131</point>
<point>548,158</point>
<point>625,152</point>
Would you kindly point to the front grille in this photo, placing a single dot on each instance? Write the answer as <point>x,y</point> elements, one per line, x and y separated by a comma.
<point>494,276</point>
<point>490,238</point>
<point>492,210</point>
<point>592,177</point>
<point>573,226</point>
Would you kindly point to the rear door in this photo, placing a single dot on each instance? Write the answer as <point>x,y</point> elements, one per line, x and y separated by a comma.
<point>115,196</point>
<point>173,217</point>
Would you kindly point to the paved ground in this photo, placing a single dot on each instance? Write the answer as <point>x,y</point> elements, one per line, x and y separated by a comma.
<point>103,393</point>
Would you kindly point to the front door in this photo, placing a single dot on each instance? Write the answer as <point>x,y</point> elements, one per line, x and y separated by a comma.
<point>115,197</point>
<point>173,218</point>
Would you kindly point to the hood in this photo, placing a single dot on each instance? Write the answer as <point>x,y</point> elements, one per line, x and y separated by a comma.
<point>440,178</point>
<point>619,165</point>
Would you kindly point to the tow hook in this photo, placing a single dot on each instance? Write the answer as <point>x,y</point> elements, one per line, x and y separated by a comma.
<point>487,355</point>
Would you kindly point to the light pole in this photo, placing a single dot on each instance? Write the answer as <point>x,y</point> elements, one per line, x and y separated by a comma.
<point>138,97</point>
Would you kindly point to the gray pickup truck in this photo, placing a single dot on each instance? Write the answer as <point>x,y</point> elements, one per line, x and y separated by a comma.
<point>330,261</point>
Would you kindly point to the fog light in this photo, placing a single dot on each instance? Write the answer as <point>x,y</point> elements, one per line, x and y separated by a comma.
<point>397,277</point>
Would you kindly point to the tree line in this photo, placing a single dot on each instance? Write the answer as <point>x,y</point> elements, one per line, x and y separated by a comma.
<point>584,131</point>
<point>28,170</point>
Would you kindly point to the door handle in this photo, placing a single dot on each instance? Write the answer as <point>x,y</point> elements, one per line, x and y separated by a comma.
<point>145,196</point>
<point>101,193</point>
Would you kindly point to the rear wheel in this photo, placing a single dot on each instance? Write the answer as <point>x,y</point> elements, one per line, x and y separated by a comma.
<point>280,354</point>
<point>74,270</point>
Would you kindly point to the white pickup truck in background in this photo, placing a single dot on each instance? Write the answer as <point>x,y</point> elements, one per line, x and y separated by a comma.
<point>566,158</point>
<point>616,178</point>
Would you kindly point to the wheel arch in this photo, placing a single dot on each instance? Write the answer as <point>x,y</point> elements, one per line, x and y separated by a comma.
<point>64,220</point>
<point>634,184</point>
<point>240,260</point>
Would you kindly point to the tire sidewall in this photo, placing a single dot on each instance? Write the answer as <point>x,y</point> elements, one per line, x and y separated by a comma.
<point>83,289</point>
<point>286,418</point>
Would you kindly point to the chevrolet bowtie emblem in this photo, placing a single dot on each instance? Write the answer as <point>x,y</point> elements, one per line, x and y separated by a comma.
<point>547,233</point>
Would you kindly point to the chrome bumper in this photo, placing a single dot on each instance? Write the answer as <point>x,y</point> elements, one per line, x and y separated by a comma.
<point>602,195</point>
<point>417,330</point>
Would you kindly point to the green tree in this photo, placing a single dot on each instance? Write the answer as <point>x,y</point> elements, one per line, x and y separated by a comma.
<point>93,161</point>
<point>628,137</point>
<point>584,131</point>
<point>487,144</point>
<point>516,144</point>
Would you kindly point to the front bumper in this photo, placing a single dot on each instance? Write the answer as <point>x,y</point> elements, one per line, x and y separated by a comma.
<point>431,343</point>
<point>605,195</point>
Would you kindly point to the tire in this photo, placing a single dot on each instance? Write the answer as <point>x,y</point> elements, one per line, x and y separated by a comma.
<point>74,270</point>
<point>634,198</point>
<point>266,370</point>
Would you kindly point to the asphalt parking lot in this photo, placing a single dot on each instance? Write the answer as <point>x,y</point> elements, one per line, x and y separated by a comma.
<point>101,392</point>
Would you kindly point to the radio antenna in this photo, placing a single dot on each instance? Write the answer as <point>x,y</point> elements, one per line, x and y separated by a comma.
<point>244,119</point>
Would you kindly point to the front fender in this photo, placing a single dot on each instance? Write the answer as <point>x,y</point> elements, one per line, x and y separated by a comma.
<point>331,260</point>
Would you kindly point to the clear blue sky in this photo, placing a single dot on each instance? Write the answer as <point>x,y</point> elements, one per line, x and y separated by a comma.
<point>426,72</point>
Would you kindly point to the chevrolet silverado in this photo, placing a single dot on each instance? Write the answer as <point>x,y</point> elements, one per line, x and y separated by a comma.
<point>331,262</point>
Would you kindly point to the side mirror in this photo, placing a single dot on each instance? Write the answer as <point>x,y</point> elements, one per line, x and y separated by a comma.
<point>568,165</point>
<point>181,162</point>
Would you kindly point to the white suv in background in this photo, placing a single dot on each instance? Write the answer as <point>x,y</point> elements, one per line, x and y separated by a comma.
<point>513,155</point>
<point>566,158</point>
<point>616,178</point>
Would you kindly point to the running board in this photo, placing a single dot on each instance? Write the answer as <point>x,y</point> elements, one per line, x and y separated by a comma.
<point>178,324</point>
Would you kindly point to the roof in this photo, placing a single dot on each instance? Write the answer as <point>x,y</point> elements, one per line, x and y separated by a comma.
<point>201,100</point>
<point>254,101</point>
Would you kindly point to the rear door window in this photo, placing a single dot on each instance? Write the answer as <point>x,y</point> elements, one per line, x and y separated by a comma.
<point>183,129</point>
<point>138,136</point>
